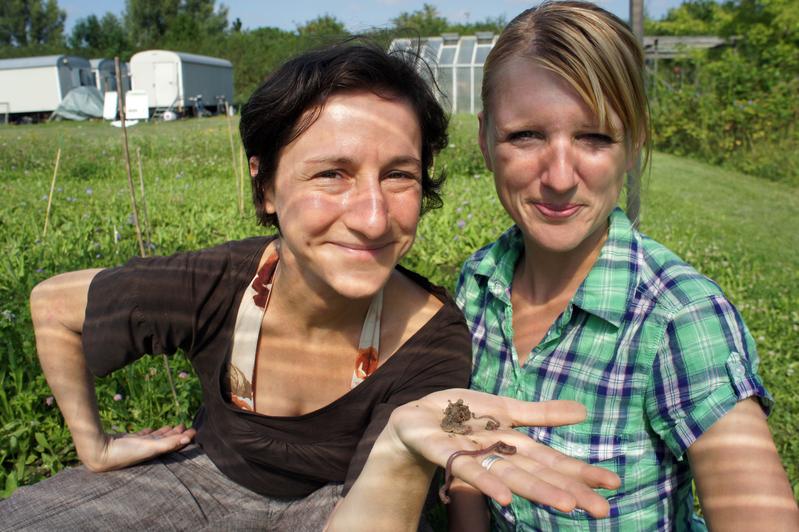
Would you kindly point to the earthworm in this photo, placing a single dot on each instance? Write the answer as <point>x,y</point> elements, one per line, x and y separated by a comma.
<point>491,424</point>
<point>499,447</point>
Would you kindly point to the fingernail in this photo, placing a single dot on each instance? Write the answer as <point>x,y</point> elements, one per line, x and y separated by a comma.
<point>184,441</point>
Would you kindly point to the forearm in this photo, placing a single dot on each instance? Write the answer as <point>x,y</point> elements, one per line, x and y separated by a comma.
<point>389,493</point>
<point>57,309</point>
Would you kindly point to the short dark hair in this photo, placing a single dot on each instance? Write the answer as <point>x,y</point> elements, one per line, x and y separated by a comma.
<point>275,114</point>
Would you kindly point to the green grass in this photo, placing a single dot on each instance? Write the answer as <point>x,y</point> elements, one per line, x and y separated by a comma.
<point>737,229</point>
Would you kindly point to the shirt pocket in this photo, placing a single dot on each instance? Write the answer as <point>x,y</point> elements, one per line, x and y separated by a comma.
<point>595,449</point>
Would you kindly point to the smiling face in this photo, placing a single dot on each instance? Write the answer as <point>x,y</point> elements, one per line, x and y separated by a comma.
<point>557,173</point>
<point>348,194</point>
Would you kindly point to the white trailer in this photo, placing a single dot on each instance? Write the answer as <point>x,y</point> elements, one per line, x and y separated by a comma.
<point>173,80</point>
<point>104,75</point>
<point>30,85</point>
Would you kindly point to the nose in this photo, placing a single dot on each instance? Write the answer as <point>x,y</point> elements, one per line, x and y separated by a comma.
<point>559,172</point>
<point>367,212</point>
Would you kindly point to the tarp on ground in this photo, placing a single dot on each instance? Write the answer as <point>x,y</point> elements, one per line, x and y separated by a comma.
<point>79,104</point>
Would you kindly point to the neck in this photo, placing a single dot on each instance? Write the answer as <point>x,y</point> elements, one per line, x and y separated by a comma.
<point>307,305</point>
<point>544,276</point>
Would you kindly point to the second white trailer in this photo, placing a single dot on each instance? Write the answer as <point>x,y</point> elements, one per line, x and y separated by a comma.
<point>175,79</point>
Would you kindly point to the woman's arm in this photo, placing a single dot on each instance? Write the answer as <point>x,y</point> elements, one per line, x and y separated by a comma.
<point>58,307</point>
<point>739,477</point>
<point>390,491</point>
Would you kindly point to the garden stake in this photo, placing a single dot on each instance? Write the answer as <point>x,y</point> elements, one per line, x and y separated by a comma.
<point>145,217</point>
<point>242,172</point>
<point>50,196</point>
<point>235,165</point>
<point>121,104</point>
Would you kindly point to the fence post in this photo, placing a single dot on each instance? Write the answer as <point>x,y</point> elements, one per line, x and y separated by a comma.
<point>634,175</point>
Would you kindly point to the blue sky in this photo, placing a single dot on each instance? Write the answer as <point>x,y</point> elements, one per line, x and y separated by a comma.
<point>358,15</point>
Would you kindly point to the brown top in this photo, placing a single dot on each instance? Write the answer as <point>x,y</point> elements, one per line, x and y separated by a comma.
<point>189,301</point>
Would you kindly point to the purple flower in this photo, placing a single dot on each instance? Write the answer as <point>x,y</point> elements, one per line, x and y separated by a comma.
<point>183,375</point>
<point>89,191</point>
<point>461,224</point>
<point>117,397</point>
<point>39,270</point>
<point>49,400</point>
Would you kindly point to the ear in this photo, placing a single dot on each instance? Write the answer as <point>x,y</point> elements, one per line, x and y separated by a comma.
<point>269,194</point>
<point>482,137</point>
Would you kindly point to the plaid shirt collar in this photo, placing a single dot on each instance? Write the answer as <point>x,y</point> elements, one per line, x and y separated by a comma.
<point>606,291</point>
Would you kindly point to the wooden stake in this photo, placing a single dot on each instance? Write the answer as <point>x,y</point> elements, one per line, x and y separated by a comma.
<point>121,104</point>
<point>50,196</point>
<point>242,172</point>
<point>235,166</point>
<point>145,217</point>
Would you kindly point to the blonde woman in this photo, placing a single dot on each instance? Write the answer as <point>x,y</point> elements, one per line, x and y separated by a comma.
<point>573,303</point>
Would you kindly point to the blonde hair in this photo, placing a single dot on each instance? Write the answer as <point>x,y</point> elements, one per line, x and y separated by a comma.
<point>590,48</point>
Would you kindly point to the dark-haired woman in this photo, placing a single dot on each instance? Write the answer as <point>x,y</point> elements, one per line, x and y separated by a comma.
<point>304,343</point>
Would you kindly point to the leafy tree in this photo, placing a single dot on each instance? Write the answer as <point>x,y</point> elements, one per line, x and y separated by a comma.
<point>31,22</point>
<point>324,25</point>
<point>426,21</point>
<point>147,21</point>
<point>104,37</point>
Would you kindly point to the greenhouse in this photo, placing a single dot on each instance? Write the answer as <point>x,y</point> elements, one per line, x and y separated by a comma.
<point>457,64</point>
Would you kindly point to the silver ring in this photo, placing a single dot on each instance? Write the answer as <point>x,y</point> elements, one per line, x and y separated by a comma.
<point>490,460</point>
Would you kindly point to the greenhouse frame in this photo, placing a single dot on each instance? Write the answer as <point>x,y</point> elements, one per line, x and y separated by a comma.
<point>456,63</point>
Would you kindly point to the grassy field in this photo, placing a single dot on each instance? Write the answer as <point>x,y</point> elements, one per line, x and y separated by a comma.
<point>737,229</point>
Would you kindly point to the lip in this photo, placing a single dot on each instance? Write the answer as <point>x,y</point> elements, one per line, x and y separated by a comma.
<point>557,211</point>
<point>362,250</point>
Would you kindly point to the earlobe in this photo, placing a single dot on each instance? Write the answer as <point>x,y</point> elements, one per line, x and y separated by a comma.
<point>482,122</point>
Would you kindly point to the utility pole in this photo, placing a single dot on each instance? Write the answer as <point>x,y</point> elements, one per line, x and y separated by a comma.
<point>634,175</point>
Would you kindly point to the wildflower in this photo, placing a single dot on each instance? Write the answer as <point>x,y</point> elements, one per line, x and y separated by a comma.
<point>461,224</point>
<point>459,210</point>
<point>89,191</point>
<point>49,400</point>
<point>153,371</point>
<point>44,197</point>
<point>117,397</point>
<point>183,375</point>
<point>8,315</point>
<point>70,199</point>
<point>39,270</point>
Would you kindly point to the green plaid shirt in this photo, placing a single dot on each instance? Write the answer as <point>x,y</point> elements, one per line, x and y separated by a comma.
<point>652,348</point>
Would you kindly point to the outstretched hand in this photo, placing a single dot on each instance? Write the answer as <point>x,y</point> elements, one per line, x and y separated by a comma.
<point>534,471</point>
<point>122,450</point>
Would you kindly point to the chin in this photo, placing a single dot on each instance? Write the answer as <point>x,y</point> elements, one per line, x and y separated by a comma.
<point>355,286</point>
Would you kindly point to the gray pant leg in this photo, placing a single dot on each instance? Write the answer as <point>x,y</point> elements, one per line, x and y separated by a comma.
<point>180,491</point>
